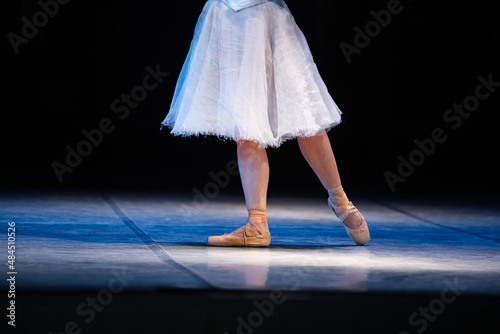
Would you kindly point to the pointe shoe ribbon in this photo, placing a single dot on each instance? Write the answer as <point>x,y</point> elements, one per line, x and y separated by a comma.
<point>342,208</point>
<point>252,236</point>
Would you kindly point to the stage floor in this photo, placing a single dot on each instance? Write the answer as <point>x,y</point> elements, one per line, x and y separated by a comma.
<point>79,241</point>
<point>144,242</point>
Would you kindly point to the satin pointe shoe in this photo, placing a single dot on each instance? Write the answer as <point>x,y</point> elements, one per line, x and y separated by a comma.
<point>252,236</point>
<point>342,208</point>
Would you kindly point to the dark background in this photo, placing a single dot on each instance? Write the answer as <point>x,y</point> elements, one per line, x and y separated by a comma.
<point>395,91</point>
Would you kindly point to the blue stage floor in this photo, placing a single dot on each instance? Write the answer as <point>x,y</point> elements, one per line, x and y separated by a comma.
<point>76,241</point>
<point>147,242</point>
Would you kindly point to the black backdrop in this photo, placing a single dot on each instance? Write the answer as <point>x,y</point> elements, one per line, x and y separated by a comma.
<point>393,92</point>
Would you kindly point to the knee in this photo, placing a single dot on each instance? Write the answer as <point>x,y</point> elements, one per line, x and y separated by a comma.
<point>318,136</point>
<point>247,145</point>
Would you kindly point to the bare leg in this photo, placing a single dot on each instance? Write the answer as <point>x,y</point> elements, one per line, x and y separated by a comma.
<point>254,173</point>
<point>319,155</point>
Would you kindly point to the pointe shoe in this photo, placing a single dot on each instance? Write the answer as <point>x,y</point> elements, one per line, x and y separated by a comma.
<point>342,208</point>
<point>252,236</point>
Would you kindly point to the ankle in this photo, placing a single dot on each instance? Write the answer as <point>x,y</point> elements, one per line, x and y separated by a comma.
<point>261,225</point>
<point>258,217</point>
<point>255,214</point>
<point>336,192</point>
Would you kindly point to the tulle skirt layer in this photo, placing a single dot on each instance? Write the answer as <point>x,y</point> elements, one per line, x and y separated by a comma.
<point>249,74</point>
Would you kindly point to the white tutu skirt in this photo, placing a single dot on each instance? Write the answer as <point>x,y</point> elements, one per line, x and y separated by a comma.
<point>250,75</point>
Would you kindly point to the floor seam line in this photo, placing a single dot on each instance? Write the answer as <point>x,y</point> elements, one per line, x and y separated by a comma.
<point>432,223</point>
<point>161,253</point>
